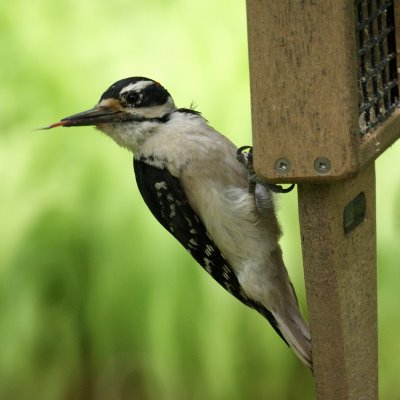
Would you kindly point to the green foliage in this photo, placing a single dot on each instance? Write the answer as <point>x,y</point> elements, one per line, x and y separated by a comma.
<point>96,300</point>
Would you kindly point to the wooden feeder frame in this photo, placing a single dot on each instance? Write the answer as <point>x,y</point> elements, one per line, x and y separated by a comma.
<point>306,109</point>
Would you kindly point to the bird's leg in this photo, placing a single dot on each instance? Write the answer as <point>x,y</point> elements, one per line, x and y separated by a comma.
<point>246,158</point>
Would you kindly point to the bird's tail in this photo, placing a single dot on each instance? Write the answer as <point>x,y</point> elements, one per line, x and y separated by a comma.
<point>295,331</point>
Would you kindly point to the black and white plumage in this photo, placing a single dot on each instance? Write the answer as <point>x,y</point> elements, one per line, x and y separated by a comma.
<point>189,177</point>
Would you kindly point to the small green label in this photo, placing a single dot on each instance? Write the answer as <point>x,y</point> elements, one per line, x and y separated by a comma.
<point>354,213</point>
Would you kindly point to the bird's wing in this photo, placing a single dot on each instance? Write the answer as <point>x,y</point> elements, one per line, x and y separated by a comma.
<point>166,199</point>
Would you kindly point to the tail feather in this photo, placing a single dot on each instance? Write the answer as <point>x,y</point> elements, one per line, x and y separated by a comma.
<point>286,312</point>
<point>293,330</point>
<point>296,333</point>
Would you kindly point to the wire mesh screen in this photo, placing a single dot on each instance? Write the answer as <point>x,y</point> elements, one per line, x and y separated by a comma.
<point>377,73</point>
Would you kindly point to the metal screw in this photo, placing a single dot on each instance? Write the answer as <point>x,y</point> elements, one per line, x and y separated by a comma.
<point>322,165</point>
<point>282,166</point>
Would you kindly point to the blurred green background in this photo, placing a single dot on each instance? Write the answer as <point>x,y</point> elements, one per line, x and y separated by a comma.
<point>97,301</point>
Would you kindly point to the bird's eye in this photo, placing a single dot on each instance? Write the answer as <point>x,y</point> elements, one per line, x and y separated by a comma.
<point>131,97</point>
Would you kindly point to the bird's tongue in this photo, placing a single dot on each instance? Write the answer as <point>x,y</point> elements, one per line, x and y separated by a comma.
<point>61,123</point>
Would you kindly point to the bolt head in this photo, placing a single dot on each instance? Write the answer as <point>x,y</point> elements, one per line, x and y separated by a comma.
<point>322,165</point>
<point>282,166</point>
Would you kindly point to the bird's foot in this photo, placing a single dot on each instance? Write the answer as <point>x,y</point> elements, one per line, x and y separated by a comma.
<point>246,159</point>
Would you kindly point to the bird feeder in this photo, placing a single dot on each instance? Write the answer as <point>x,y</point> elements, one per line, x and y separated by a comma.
<point>325,98</point>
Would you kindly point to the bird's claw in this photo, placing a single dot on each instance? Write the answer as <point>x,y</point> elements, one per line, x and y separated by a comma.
<point>246,159</point>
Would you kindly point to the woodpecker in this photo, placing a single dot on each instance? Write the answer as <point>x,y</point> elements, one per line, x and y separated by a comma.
<point>189,177</point>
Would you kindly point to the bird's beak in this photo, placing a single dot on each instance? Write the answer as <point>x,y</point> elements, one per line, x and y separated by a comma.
<point>95,116</point>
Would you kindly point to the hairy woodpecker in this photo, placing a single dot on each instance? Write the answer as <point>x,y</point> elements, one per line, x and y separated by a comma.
<point>193,184</point>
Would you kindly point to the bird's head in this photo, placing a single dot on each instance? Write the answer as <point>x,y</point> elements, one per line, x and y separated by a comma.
<point>128,111</point>
<point>123,105</point>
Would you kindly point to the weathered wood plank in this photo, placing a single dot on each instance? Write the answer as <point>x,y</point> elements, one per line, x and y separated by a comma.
<point>303,76</point>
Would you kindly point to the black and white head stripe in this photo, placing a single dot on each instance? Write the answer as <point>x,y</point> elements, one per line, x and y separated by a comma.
<point>115,89</point>
<point>167,201</point>
<point>137,92</point>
